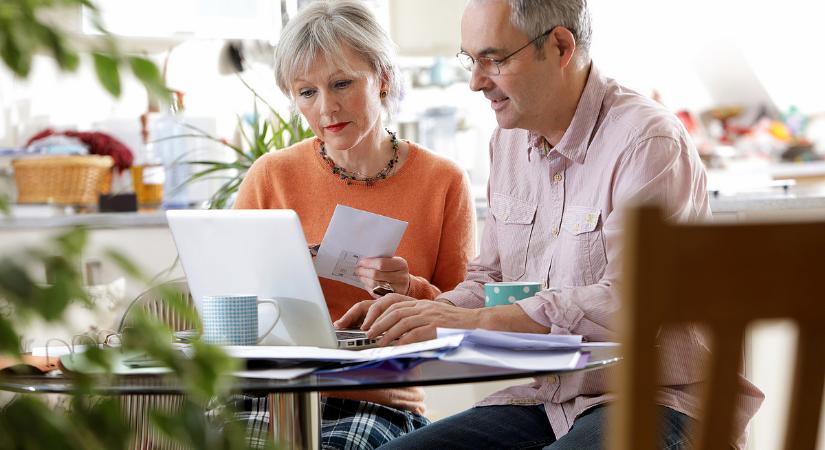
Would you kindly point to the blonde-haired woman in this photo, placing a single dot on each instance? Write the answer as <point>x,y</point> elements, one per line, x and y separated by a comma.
<point>336,64</point>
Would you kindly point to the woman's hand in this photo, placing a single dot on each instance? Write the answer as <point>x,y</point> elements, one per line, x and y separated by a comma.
<point>364,313</point>
<point>394,271</point>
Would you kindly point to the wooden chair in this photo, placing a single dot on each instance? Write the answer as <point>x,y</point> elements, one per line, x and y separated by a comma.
<point>723,277</point>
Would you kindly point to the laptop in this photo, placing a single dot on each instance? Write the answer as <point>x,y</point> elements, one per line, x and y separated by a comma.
<point>259,252</point>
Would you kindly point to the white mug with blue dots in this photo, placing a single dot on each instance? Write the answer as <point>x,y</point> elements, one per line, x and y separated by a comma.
<point>509,292</point>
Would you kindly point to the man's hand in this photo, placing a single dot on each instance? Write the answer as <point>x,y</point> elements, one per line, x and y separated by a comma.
<point>364,313</point>
<point>416,320</point>
<point>394,271</point>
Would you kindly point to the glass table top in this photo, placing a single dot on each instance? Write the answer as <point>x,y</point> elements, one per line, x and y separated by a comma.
<point>423,373</point>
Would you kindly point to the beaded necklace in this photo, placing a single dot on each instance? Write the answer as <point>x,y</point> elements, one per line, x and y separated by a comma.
<point>351,177</point>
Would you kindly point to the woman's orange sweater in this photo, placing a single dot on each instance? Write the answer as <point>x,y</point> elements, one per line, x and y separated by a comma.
<point>429,192</point>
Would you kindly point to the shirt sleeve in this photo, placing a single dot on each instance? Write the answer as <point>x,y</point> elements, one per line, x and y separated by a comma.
<point>660,170</point>
<point>456,244</point>
<point>485,268</point>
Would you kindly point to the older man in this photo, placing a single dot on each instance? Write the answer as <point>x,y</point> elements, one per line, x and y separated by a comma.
<point>572,149</point>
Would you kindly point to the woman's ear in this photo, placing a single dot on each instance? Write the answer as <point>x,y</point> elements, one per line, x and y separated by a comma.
<point>383,90</point>
<point>384,82</point>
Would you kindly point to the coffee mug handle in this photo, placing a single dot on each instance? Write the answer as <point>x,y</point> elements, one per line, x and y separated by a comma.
<point>274,322</point>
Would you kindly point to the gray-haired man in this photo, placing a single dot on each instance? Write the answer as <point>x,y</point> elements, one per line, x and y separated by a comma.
<point>572,149</point>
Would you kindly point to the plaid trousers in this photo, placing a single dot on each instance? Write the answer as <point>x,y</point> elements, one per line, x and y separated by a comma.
<point>345,425</point>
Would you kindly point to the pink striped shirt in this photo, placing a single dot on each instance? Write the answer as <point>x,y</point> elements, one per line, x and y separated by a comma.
<point>556,218</point>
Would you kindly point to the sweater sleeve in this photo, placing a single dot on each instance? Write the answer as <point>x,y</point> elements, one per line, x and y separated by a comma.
<point>255,191</point>
<point>456,245</point>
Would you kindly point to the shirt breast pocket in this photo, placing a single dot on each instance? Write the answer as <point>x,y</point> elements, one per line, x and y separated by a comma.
<point>514,227</point>
<point>582,242</point>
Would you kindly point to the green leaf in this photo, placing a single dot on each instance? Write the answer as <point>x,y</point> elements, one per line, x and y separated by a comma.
<point>221,197</point>
<point>105,422</point>
<point>147,72</point>
<point>204,135</point>
<point>47,37</point>
<point>240,165</point>
<point>16,284</point>
<point>91,6</point>
<point>4,204</point>
<point>28,423</point>
<point>107,72</point>
<point>125,264</point>
<point>204,173</point>
<point>242,129</point>
<point>15,56</point>
<point>9,339</point>
<point>99,357</point>
<point>72,242</point>
<point>179,302</point>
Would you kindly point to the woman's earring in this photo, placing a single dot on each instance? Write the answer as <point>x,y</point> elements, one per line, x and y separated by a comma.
<point>383,95</point>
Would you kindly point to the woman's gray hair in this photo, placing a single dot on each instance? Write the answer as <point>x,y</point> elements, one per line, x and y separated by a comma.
<point>534,17</point>
<point>326,28</point>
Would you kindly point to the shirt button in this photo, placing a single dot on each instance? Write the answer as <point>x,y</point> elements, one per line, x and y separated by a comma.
<point>555,231</point>
<point>558,177</point>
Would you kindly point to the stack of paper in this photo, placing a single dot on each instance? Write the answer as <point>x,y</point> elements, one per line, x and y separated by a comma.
<point>514,341</point>
<point>299,353</point>
<point>524,351</point>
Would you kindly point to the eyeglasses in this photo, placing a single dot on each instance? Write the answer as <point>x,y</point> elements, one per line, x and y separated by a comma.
<point>490,66</point>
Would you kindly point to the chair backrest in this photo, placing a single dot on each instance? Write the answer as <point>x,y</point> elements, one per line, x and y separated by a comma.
<point>155,302</point>
<point>137,409</point>
<point>722,276</point>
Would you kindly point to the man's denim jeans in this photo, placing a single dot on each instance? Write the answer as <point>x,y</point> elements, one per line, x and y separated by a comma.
<point>526,427</point>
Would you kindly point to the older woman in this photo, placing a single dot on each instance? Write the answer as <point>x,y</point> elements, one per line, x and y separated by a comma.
<point>335,63</point>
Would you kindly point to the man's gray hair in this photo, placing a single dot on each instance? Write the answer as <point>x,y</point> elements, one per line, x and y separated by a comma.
<point>326,28</point>
<point>534,17</point>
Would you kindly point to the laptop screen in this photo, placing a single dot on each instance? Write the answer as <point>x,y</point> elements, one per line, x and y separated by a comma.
<point>255,252</point>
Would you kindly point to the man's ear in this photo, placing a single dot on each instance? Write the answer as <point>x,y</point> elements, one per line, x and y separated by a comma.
<point>565,45</point>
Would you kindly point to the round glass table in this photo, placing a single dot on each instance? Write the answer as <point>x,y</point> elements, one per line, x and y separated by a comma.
<point>295,404</point>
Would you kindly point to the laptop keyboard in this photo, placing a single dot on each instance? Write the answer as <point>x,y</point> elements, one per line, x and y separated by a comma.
<point>351,334</point>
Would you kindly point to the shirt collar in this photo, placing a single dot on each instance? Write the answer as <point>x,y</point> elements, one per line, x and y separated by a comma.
<point>576,139</point>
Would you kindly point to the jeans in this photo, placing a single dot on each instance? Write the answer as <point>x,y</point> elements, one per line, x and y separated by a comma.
<point>526,427</point>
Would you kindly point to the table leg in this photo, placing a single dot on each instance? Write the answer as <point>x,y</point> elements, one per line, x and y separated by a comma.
<point>295,419</point>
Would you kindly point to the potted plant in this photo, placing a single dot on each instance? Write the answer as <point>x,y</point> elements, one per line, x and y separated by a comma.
<point>260,134</point>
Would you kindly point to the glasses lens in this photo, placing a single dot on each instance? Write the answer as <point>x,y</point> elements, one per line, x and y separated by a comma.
<point>489,66</point>
<point>466,61</point>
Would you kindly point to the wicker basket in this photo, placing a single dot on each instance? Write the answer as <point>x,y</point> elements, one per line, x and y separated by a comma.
<point>65,180</point>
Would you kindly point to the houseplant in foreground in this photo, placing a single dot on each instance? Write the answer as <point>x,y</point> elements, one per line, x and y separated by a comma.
<point>94,422</point>
<point>28,421</point>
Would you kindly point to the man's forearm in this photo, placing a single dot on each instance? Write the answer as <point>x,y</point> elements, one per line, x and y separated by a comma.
<point>509,318</point>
